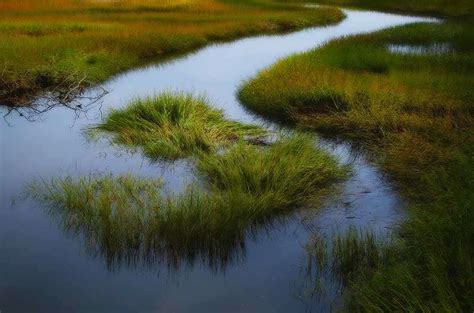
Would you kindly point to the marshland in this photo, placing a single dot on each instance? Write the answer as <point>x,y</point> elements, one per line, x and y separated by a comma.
<point>228,156</point>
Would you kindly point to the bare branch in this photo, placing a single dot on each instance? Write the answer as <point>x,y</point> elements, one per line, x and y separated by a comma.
<point>68,94</point>
<point>71,91</point>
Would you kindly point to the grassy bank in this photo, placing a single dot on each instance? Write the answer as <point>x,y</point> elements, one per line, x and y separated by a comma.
<point>52,44</point>
<point>171,126</point>
<point>406,95</point>
<point>128,220</point>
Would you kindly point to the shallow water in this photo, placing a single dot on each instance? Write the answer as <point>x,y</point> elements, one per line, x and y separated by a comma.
<point>45,269</point>
<point>437,48</point>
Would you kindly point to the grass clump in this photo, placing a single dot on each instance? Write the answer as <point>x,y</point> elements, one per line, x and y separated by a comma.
<point>414,112</point>
<point>130,220</point>
<point>284,175</point>
<point>171,126</point>
<point>348,256</point>
<point>356,251</point>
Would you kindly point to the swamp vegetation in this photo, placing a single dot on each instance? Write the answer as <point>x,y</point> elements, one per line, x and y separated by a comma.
<point>241,186</point>
<point>414,112</point>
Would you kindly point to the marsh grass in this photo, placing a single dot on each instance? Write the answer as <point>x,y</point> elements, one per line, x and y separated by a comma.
<point>281,176</point>
<point>357,251</point>
<point>348,255</point>
<point>414,113</point>
<point>356,87</point>
<point>129,220</point>
<point>358,83</point>
<point>101,38</point>
<point>171,126</point>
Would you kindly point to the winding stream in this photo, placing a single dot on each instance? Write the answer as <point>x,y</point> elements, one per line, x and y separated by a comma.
<point>44,269</point>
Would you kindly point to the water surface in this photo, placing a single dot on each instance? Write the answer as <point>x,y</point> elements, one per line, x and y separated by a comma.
<point>45,269</point>
<point>437,48</point>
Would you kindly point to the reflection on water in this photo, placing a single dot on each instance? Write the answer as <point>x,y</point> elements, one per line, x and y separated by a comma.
<point>75,98</point>
<point>141,248</point>
<point>129,222</point>
<point>262,270</point>
<point>437,48</point>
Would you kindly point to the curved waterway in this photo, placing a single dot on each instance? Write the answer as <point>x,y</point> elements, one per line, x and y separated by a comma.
<point>45,268</point>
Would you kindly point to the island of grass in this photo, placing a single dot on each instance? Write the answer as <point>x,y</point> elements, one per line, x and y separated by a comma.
<point>171,126</point>
<point>407,95</point>
<point>55,44</point>
<point>239,186</point>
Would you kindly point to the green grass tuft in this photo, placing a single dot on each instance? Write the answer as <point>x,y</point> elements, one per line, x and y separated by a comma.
<point>356,251</point>
<point>171,126</point>
<point>285,174</point>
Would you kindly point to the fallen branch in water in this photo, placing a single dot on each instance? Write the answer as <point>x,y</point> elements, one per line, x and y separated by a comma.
<point>71,92</point>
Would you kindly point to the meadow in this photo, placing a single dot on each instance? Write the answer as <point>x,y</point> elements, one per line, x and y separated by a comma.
<point>52,44</point>
<point>405,94</point>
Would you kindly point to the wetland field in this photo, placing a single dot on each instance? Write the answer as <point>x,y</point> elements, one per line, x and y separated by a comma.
<point>236,156</point>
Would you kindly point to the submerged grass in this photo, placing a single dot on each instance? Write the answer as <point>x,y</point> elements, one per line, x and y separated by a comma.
<point>42,43</point>
<point>349,255</point>
<point>171,126</point>
<point>414,112</point>
<point>129,220</point>
<point>356,250</point>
